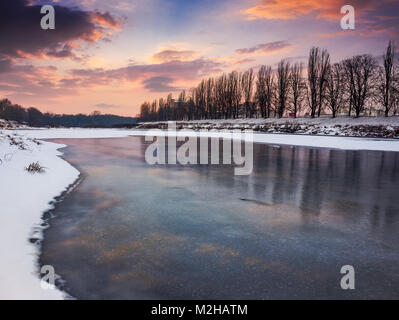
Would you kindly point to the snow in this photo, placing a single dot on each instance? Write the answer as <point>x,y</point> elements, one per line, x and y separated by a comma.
<point>324,120</point>
<point>334,142</point>
<point>25,196</point>
<point>376,127</point>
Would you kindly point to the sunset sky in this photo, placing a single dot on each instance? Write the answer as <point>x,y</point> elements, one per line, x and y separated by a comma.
<point>111,55</point>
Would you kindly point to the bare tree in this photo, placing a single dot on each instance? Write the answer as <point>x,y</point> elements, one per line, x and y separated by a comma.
<point>323,66</point>
<point>221,96</point>
<point>154,111</point>
<point>247,80</point>
<point>209,99</point>
<point>318,64</point>
<point>386,79</point>
<point>353,82</point>
<point>200,99</point>
<point>282,86</point>
<point>260,94</point>
<point>264,90</point>
<point>145,111</point>
<point>360,73</point>
<point>314,56</point>
<point>335,88</point>
<point>297,87</point>
<point>269,82</point>
<point>181,112</point>
<point>235,93</point>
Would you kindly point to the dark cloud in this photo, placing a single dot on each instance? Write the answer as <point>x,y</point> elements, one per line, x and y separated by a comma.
<point>159,84</point>
<point>22,35</point>
<point>265,48</point>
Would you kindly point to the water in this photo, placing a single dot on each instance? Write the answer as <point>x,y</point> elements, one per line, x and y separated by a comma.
<point>135,231</point>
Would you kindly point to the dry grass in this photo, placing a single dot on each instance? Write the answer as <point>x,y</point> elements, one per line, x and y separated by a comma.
<point>16,141</point>
<point>35,167</point>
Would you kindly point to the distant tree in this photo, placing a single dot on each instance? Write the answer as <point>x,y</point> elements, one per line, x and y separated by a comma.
<point>235,79</point>
<point>297,86</point>
<point>4,104</point>
<point>220,96</point>
<point>154,111</point>
<point>282,86</point>
<point>350,83</point>
<point>200,100</point>
<point>169,107</point>
<point>35,117</point>
<point>145,111</point>
<point>335,88</point>
<point>234,94</point>
<point>360,72</point>
<point>324,65</point>
<point>261,91</point>
<point>312,93</point>
<point>387,79</point>
<point>247,81</point>
<point>209,108</point>
<point>318,64</point>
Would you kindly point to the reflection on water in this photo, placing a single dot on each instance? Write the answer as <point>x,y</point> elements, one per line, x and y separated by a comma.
<point>136,231</point>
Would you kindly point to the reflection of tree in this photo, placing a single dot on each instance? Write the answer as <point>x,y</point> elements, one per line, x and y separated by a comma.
<point>314,184</point>
<point>349,184</point>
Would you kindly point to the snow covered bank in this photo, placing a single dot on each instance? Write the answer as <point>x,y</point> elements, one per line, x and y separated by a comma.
<point>373,127</point>
<point>347,143</point>
<point>24,197</point>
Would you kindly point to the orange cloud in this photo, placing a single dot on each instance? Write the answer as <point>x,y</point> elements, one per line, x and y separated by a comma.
<point>291,9</point>
<point>107,20</point>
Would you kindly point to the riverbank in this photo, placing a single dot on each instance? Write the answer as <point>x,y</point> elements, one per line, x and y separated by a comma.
<point>26,196</point>
<point>371,127</point>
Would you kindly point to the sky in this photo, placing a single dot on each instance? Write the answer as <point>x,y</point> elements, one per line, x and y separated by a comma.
<point>111,55</point>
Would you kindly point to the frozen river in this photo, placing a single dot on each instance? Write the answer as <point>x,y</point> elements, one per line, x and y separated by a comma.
<point>135,231</point>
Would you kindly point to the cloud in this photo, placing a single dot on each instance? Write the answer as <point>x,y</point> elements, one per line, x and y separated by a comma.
<point>264,48</point>
<point>291,9</point>
<point>5,65</point>
<point>159,84</point>
<point>22,36</point>
<point>105,106</point>
<point>31,84</point>
<point>182,70</point>
<point>328,9</point>
<point>171,55</point>
<point>373,18</point>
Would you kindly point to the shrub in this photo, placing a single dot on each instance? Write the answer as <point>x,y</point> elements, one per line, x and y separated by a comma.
<point>35,167</point>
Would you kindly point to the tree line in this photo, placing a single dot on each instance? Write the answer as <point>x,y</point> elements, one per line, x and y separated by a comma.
<point>35,118</point>
<point>354,86</point>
